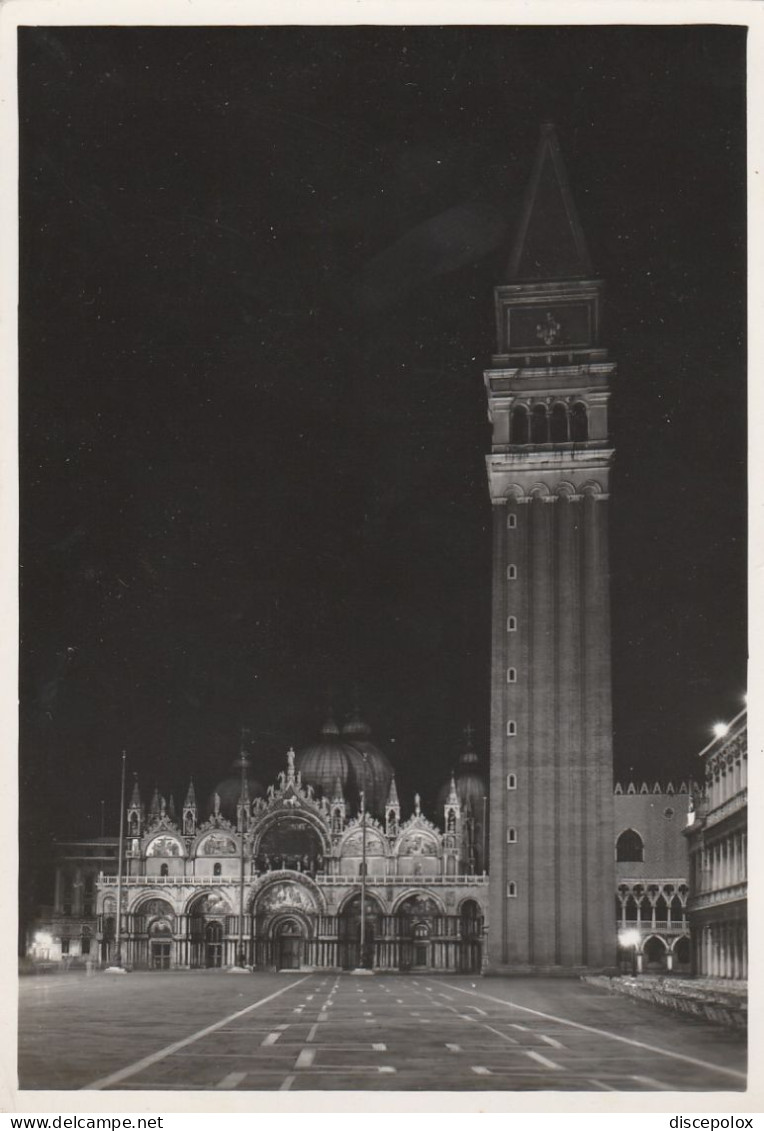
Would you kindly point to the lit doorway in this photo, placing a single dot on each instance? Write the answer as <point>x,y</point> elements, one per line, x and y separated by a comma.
<point>289,941</point>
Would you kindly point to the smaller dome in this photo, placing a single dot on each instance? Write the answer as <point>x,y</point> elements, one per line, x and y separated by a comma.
<point>470,784</point>
<point>229,792</point>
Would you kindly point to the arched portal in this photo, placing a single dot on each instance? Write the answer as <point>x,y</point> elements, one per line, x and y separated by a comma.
<point>654,950</point>
<point>417,917</point>
<point>213,945</point>
<point>160,944</point>
<point>471,937</point>
<point>352,954</point>
<point>289,943</point>
<point>207,918</point>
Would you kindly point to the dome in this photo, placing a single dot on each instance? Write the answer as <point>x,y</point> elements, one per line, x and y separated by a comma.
<point>470,783</point>
<point>373,769</point>
<point>328,761</point>
<point>229,792</point>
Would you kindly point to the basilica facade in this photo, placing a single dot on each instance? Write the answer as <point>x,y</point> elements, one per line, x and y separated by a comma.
<point>299,875</point>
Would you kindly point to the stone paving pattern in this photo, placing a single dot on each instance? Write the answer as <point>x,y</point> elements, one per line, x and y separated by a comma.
<point>328,1031</point>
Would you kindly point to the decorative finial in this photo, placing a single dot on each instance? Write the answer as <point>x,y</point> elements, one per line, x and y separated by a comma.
<point>417,805</point>
<point>290,764</point>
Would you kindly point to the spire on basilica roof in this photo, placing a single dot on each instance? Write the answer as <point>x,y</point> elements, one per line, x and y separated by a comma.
<point>154,806</point>
<point>452,798</point>
<point>171,808</point>
<point>550,242</point>
<point>392,793</point>
<point>338,794</point>
<point>191,795</point>
<point>135,797</point>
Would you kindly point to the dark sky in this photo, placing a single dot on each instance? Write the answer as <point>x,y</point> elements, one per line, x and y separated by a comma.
<point>256,303</point>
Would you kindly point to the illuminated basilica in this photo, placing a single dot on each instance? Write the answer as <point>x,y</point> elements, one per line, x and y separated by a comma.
<point>282,878</point>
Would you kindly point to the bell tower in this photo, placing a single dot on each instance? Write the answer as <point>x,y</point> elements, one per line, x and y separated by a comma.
<point>551,795</point>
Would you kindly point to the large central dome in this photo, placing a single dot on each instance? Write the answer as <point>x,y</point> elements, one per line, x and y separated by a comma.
<point>350,759</point>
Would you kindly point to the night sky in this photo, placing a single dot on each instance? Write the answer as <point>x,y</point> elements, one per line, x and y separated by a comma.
<point>256,303</point>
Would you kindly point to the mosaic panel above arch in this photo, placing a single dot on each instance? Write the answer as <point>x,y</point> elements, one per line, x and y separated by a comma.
<point>418,843</point>
<point>352,845</point>
<point>210,903</point>
<point>217,844</point>
<point>285,895</point>
<point>165,846</point>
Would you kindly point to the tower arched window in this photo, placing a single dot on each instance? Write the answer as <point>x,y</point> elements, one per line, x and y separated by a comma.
<point>511,520</point>
<point>518,426</point>
<point>559,424</point>
<point>511,728</point>
<point>511,573</point>
<point>511,624</point>
<point>511,781</point>
<point>511,675</point>
<point>511,836</point>
<point>512,889</point>
<point>539,426</point>
<point>629,848</point>
<point>579,423</point>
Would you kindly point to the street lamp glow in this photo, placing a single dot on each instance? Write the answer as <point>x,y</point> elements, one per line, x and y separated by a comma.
<point>629,938</point>
<point>720,729</point>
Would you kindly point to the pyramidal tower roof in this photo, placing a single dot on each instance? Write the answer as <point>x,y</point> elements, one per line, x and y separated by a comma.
<point>550,243</point>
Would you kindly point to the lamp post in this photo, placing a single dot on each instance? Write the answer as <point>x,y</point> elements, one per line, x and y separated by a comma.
<point>243,763</point>
<point>120,854</point>
<point>629,939</point>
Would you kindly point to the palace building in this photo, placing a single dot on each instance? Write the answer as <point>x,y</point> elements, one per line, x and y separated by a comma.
<point>717,836</point>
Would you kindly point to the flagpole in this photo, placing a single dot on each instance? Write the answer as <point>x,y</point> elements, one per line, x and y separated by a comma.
<point>362,956</point>
<point>120,854</point>
<point>240,958</point>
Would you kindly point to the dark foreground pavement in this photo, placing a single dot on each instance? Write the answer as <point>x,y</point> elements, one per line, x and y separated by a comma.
<point>215,1031</point>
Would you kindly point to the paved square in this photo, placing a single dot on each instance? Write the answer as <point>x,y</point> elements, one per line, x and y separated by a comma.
<point>211,1031</point>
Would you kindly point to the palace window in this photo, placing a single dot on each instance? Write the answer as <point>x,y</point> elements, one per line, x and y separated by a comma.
<point>217,870</point>
<point>64,946</point>
<point>629,848</point>
<point>539,427</point>
<point>511,781</point>
<point>559,424</point>
<point>511,624</point>
<point>579,423</point>
<point>511,836</point>
<point>511,728</point>
<point>518,426</point>
<point>511,573</point>
<point>164,870</point>
<point>511,675</point>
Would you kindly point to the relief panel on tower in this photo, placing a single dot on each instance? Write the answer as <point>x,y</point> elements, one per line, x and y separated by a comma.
<point>531,327</point>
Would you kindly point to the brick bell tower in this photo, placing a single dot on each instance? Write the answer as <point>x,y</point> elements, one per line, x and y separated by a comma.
<point>551,859</point>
